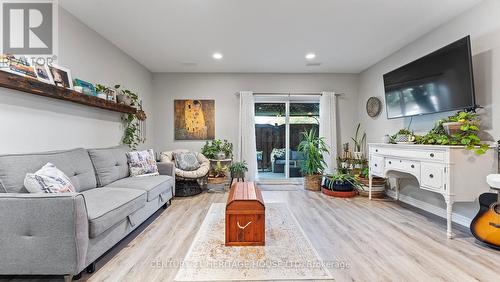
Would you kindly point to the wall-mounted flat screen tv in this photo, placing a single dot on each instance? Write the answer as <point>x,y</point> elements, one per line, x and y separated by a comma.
<point>439,82</point>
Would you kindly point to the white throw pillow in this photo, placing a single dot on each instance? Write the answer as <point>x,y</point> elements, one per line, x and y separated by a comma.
<point>142,163</point>
<point>48,179</point>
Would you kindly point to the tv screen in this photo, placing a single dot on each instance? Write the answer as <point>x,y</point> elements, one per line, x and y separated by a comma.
<point>441,81</point>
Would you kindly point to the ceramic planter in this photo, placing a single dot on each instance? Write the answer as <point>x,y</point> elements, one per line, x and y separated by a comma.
<point>220,156</point>
<point>124,99</point>
<point>405,138</point>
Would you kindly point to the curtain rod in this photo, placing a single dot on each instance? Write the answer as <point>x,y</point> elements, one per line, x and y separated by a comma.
<point>293,93</point>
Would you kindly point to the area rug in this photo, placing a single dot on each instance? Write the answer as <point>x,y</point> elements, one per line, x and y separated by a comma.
<point>288,254</point>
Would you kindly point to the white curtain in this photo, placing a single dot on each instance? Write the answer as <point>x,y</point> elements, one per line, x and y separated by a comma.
<point>246,138</point>
<point>328,128</point>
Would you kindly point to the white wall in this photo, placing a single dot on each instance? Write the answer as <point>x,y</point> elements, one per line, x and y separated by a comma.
<point>222,88</point>
<point>29,123</point>
<point>482,23</point>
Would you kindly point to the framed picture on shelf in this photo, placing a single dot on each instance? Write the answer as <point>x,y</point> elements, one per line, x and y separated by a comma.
<point>18,65</point>
<point>87,87</point>
<point>43,73</point>
<point>61,76</point>
<point>111,95</point>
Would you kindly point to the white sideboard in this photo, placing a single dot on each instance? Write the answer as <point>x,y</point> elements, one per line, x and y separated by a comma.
<point>452,171</point>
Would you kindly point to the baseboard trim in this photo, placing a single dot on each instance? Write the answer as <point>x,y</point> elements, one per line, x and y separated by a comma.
<point>457,218</point>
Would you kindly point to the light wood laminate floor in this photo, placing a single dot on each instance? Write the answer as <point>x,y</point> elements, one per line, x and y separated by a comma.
<point>378,240</point>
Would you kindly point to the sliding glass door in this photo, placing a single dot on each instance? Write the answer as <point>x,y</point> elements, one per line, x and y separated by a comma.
<point>278,129</point>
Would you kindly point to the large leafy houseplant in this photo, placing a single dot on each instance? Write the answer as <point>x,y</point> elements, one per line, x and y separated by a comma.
<point>238,169</point>
<point>313,148</point>
<point>211,149</point>
<point>466,135</point>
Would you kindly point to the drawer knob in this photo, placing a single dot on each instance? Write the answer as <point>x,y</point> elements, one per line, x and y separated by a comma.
<point>412,166</point>
<point>376,150</point>
<point>431,175</point>
<point>432,155</point>
<point>376,165</point>
<point>390,162</point>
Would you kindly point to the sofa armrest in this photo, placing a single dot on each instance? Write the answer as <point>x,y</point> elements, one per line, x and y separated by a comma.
<point>43,233</point>
<point>166,168</point>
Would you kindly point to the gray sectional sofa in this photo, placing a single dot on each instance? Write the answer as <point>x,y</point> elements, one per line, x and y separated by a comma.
<point>62,234</point>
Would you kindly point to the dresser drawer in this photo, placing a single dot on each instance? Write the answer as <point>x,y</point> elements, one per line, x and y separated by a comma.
<point>377,165</point>
<point>403,165</point>
<point>432,176</point>
<point>421,154</point>
<point>380,151</point>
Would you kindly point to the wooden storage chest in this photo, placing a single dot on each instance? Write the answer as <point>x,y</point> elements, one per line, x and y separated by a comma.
<point>245,216</point>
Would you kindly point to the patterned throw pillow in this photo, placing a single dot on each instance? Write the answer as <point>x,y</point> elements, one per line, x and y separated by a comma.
<point>142,163</point>
<point>48,179</point>
<point>186,161</point>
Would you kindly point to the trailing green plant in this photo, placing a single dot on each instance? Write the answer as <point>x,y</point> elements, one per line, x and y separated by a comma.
<point>238,168</point>
<point>365,172</point>
<point>467,135</point>
<point>213,147</point>
<point>132,134</point>
<point>313,148</point>
<point>359,141</point>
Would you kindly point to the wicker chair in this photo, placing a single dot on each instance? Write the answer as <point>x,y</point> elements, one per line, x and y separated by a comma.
<point>188,183</point>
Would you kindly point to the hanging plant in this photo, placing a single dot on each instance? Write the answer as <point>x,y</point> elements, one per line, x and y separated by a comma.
<point>132,135</point>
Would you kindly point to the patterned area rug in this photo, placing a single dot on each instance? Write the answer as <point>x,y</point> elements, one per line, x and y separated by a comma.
<point>288,254</point>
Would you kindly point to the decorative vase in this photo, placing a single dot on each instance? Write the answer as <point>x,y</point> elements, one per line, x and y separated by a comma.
<point>124,99</point>
<point>404,138</point>
<point>312,182</point>
<point>452,127</point>
<point>386,139</point>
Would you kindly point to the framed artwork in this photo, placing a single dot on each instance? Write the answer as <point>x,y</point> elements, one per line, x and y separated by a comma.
<point>43,73</point>
<point>194,119</point>
<point>61,76</point>
<point>88,88</point>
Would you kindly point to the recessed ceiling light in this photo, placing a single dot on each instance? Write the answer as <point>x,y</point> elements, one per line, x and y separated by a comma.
<point>310,56</point>
<point>217,56</point>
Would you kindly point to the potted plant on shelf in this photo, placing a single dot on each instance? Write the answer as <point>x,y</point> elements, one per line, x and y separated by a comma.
<point>342,185</point>
<point>378,185</point>
<point>359,143</point>
<point>403,136</point>
<point>313,148</point>
<point>125,96</point>
<point>238,170</point>
<point>102,91</point>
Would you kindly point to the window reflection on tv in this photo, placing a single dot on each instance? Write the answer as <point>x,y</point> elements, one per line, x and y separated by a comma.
<point>441,81</point>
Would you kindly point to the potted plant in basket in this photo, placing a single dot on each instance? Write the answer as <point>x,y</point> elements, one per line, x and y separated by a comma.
<point>313,148</point>
<point>238,170</point>
<point>341,185</point>
<point>378,184</point>
<point>218,174</point>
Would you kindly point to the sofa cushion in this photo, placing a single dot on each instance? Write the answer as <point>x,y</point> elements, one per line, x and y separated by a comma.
<point>110,164</point>
<point>153,185</point>
<point>109,206</point>
<point>74,163</point>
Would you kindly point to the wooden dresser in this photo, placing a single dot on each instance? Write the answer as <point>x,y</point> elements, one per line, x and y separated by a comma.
<point>245,216</point>
<point>459,175</point>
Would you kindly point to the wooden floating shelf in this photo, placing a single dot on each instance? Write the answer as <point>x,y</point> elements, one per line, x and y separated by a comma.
<point>32,86</point>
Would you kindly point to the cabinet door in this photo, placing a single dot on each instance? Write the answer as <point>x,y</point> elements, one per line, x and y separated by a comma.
<point>432,176</point>
<point>377,165</point>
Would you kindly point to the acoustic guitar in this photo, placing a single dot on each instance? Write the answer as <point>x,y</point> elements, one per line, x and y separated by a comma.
<point>486,224</point>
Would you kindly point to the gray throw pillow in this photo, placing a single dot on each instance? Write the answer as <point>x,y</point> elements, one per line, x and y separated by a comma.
<point>186,161</point>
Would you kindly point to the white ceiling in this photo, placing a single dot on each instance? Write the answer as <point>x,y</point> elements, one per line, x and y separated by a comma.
<point>347,36</point>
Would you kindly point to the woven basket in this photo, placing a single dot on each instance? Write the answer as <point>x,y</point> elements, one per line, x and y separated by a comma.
<point>312,182</point>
